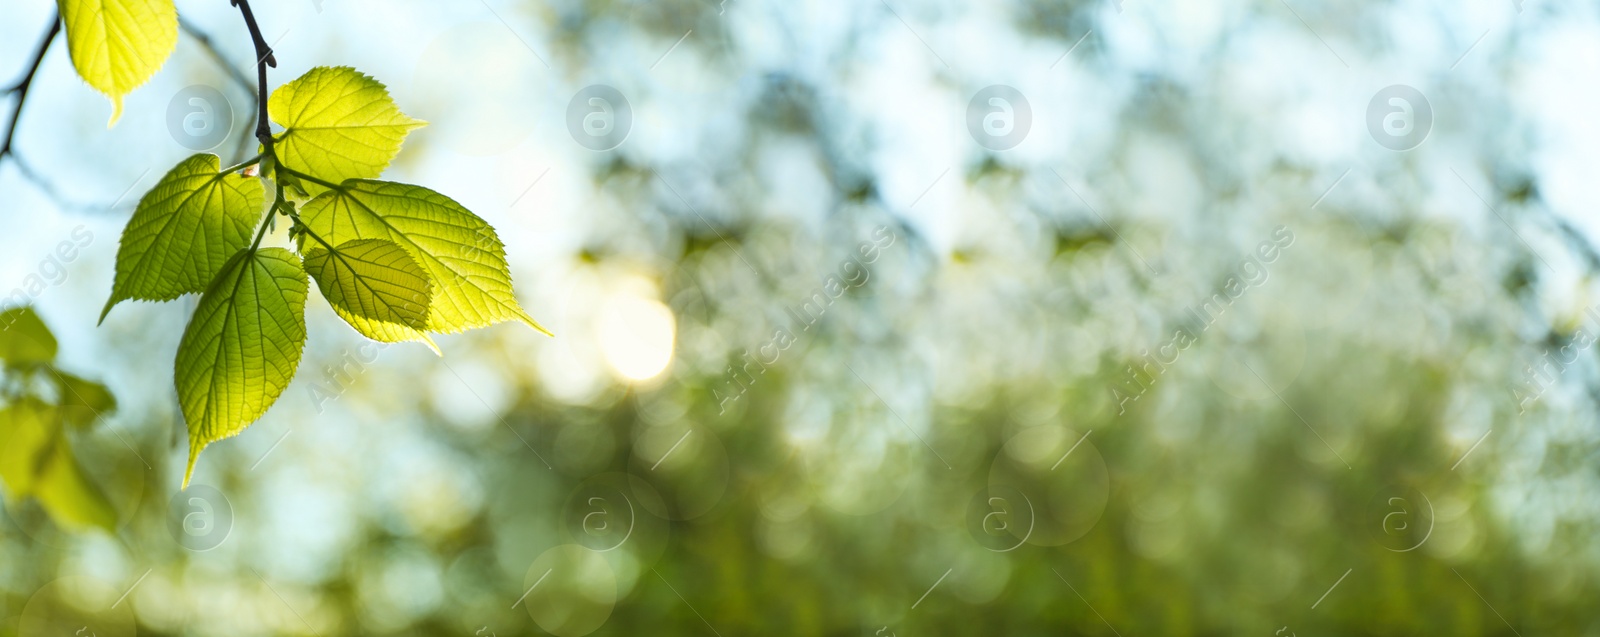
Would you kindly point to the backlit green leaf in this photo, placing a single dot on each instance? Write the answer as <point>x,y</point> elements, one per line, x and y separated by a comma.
<point>376,287</point>
<point>340,124</point>
<point>242,346</point>
<point>459,251</point>
<point>117,45</point>
<point>24,339</point>
<point>184,230</point>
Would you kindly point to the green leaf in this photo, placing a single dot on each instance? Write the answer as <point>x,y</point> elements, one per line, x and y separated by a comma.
<point>242,347</point>
<point>24,339</point>
<point>376,287</point>
<point>72,499</point>
<point>184,230</point>
<point>340,124</point>
<point>117,45</point>
<point>82,401</point>
<point>459,251</point>
<point>26,427</point>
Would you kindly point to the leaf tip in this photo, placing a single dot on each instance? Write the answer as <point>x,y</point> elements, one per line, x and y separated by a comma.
<point>116,111</point>
<point>195,447</point>
<point>535,324</point>
<point>110,303</point>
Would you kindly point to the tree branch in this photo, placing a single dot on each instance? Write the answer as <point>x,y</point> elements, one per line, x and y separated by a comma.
<point>313,179</point>
<point>21,87</point>
<point>264,59</point>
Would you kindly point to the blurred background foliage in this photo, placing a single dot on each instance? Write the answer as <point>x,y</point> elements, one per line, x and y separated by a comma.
<point>1397,347</point>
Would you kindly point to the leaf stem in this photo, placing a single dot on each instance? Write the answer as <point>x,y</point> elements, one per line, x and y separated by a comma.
<point>21,87</point>
<point>315,180</point>
<point>266,223</point>
<point>264,59</point>
<point>245,164</point>
<point>307,229</point>
<point>262,231</point>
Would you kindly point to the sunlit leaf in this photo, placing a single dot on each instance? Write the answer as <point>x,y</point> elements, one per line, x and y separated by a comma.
<point>242,346</point>
<point>117,45</point>
<point>339,124</point>
<point>24,339</point>
<point>375,286</point>
<point>459,251</point>
<point>184,230</point>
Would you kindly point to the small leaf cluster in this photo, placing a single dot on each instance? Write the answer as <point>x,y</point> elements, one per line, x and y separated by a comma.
<point>39,405</point>
<point>397,262</point>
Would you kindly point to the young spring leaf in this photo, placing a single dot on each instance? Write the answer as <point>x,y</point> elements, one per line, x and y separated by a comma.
<point>242,346</point>
<point>340,124</point>
<point>462,254</point>
<point>376,287</point>
<point>24,339</point>
<point>184,230</point>
<point>117,45</point>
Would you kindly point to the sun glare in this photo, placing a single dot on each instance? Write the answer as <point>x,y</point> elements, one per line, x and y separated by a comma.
<point>636,334</point>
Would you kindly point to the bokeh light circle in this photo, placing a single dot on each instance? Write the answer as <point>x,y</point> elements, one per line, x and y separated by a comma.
<point>636,335</point>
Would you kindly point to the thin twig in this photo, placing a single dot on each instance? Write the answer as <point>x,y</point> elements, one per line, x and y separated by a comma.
<point>266,224</point>
<point>243,164</point>
<point>21,87</point>
<point>311,178</point>
<point>7,147</point>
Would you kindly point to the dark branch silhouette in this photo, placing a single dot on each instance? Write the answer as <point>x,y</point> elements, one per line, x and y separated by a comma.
<point>264,59</point>
<point>7,144</point>
<point>21,87</point>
